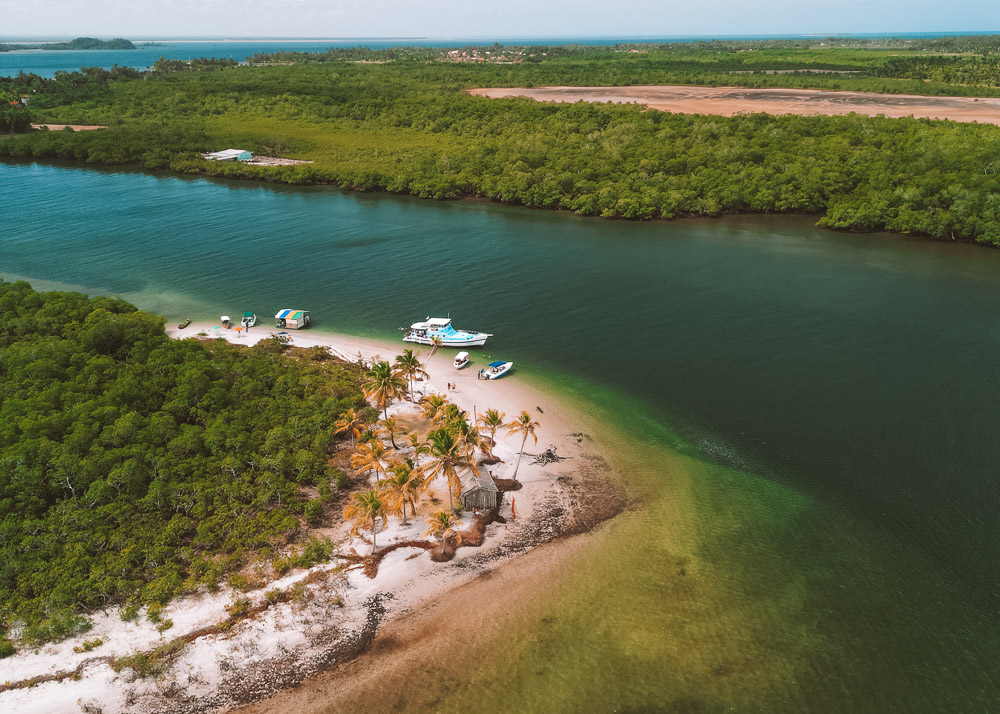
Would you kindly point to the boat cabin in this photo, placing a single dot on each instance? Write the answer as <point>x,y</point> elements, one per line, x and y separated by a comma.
<point>292,319</point>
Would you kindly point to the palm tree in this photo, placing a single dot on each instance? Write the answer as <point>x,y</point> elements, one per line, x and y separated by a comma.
<point>390,427</point>
<point>435,345</point>
<point>451,413</point>
<point>419,447</point>
<point>448,455</point>
<point>432,405</point>
<point>382,386</point>
<point>407,365</point>
<point>460,426</point>
<point>369,457</point>
<point>491,421</point>
<point>440,526</point>
<point>403,487</point>
<point>366,509</point>
<point>350,422</point>
<point>522,425</point>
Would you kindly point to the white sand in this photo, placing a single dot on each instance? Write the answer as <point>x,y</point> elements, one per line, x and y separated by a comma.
<point>210,663</point>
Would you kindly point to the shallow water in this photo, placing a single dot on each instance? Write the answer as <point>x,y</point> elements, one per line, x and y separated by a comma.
<point>808,416</point>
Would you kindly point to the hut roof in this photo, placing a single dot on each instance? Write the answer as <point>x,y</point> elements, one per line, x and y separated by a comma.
<point>481,482</point>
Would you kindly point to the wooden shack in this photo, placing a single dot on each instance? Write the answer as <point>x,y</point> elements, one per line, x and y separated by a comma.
<point>479,492</point>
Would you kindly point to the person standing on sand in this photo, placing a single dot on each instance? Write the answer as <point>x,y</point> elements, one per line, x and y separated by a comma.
<point>513,510</point>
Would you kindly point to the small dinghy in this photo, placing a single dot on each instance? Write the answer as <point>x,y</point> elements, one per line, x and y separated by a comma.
<point>184,324</point>
<point>495,370</point>
<point>461,360</point>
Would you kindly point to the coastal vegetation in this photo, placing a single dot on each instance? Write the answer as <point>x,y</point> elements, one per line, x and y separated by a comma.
<point>398,120</point>
<point>134,467</point>
<point>79,43</point>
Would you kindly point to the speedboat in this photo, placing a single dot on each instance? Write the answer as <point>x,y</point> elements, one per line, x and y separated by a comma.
<point>226,322</point>
<point>249,319</point>
<point>461,359</point>
<point>495,370</point>
<point>438,330</point>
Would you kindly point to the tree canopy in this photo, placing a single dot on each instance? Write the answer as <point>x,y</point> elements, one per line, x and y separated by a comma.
<point>135,467</point>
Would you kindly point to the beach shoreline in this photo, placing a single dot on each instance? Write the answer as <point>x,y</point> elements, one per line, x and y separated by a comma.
<point>257,661</point>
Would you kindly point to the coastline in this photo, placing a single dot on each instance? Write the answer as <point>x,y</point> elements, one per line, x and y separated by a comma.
<point>288,643</point>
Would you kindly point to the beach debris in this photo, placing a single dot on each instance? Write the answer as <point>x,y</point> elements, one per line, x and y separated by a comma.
<point>539,410</point>
<point>548,456</point>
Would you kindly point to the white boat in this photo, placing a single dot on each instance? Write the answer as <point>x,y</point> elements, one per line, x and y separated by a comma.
<point>461,359</point>
<point>495,370</point>
<point>440,328</point>
<point>226,322</point>
<point>249,319</point>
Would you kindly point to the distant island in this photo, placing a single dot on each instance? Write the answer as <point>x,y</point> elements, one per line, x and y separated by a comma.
<point>80,43</point>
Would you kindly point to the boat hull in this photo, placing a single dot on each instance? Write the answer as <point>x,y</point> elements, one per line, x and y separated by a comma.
<point>475,341</point>
<point>494,371</point>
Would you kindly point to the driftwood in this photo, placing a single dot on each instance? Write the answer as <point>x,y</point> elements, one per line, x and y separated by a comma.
<point>548,456</point>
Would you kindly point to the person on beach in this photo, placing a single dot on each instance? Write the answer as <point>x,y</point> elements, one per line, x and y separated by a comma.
<point>513,511</point>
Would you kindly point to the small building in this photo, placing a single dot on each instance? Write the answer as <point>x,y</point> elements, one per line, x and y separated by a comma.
<point>292,319</point>
<point>229,155</point>
<point>479,492</point>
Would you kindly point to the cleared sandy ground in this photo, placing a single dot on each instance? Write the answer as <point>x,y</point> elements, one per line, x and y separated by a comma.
<point>727,101</point>
<point>74,127</point>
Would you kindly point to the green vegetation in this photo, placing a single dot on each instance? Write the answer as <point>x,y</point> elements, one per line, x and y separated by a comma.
<point>397,120</point>
<point>14,117</point>
<point>134,467</point>
<point>80,43</point>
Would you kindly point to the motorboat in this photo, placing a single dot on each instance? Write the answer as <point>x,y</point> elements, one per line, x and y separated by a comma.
<point>439,330</point>
<point>226,321</point>
<point>184,324</point>
<point>495,370</point>
<point>461,360</point>
<point>249,319</point>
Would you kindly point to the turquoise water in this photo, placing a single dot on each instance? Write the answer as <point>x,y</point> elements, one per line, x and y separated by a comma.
<point>840,390</point>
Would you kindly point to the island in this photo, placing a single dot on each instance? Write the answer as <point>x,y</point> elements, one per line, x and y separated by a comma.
<point>80,43</point>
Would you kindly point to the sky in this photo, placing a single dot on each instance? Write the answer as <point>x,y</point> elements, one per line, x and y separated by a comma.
<point>145,19</point>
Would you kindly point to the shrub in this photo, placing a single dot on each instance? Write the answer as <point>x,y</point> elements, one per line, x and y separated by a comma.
<point>6,648</point>
<point>314,511</point>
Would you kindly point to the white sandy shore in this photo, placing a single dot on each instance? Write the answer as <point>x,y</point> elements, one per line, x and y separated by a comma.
<point>214,671</point>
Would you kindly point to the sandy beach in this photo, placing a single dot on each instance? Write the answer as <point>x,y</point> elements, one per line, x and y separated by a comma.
<point>324,644</point>
<point>729,101</point>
